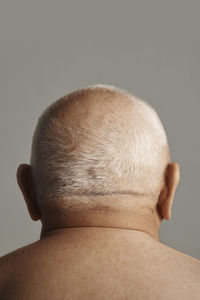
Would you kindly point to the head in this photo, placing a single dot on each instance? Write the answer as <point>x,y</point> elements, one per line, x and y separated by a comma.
<point>99,150</point>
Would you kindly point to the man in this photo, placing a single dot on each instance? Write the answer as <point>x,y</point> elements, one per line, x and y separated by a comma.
<point>101,182</point>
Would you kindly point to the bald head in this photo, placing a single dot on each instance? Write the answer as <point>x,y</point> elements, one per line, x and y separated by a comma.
<point>95,147</point>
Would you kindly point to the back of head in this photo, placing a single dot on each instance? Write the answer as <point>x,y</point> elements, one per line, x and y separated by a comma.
<point>96,145</point>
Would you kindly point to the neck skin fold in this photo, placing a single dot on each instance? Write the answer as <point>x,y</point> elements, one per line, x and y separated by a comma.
<point>147,221</point>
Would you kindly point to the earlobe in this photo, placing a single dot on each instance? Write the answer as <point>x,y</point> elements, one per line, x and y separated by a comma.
<point>25,183</point>
<point>161,205</point>
<point>165,201</point>
<point>20,178</point>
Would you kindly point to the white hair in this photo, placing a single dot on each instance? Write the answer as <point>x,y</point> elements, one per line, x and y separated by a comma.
<point>119,149</point>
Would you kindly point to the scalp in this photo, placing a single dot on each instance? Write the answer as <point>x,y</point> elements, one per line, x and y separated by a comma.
<point>98,140</point>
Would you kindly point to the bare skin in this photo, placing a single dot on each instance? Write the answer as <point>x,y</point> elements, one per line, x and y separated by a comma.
<point>110,252</point>
<point>100,256</point>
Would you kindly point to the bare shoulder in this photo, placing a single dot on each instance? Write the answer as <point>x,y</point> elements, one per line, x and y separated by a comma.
<point>183,256</point>
<point>183,263</point>
<point>138,265</point>
<point>9,260</point>
<point>174,274</point>
<point>9,263</point>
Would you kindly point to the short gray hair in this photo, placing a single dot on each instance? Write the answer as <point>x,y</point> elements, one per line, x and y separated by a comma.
<point>123,149</point>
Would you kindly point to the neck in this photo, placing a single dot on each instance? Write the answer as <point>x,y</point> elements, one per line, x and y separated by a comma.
<point>145,221</point>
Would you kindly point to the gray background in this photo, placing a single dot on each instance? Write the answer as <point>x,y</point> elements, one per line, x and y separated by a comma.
<point>50,48</point>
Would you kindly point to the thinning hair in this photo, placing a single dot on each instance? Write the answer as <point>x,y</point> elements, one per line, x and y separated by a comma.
<point>99,142</point>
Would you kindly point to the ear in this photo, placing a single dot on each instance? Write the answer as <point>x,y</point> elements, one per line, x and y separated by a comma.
<point>166,197</point>
<point>25,182</point>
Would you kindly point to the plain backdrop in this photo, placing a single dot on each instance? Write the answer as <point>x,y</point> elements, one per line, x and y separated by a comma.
<point>50,48</point>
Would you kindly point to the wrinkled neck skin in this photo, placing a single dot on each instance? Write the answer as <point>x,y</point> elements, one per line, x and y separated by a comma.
<point>146,221</point>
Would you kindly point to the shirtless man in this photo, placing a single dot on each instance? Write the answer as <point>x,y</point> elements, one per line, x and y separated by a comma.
<point>101,182</point>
